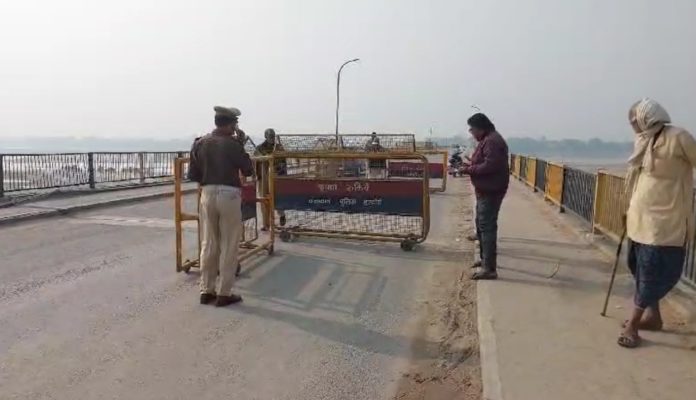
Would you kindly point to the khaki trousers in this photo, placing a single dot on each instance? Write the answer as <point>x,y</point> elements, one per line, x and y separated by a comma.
<point>221,230</point>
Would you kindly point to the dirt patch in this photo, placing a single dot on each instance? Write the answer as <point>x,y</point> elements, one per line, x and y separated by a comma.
<point>450,368</point>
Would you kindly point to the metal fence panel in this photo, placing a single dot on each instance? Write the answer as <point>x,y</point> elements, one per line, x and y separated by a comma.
<point>554,183</point>
<point>122,167</point>
<point>43,171</point>
<point>540,180</point>
<point>578,192</point>
<point>689,266</point>
<point>610,205</point>
<point>523,168</point>
<point>530,174</point>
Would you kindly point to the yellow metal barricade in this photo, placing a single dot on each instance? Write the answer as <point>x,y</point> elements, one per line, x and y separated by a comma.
<point>530,176</point>
<point>554,183</point>
<point>437,169</point>
<point>375,207</point>
<point>610,205</point>
<point>437,166</point>
<point>249,244</point>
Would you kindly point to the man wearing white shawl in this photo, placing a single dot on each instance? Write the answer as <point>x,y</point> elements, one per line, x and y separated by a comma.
<point>659,220</point>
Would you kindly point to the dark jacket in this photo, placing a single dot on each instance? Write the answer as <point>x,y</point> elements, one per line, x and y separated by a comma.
<point>217,160</point>
<point>281,164</point>
<point>489,169</point>
<point>375,162</point>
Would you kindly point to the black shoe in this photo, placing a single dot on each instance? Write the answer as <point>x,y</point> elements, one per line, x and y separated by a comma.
<point>208,298</point>
<point>223,301</point>
<point>486,275</point>
<point>477,264</point>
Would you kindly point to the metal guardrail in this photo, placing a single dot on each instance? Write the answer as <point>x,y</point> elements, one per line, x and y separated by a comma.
<point>553,180</point>
<point>598,198</point>
<point>579,193</point>
<point>530,174</point>
<point>540,176</point>
<point>28,172</point>
<point>610,205</point>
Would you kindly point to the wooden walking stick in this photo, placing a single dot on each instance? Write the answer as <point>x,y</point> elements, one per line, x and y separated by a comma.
<point>613,272</point>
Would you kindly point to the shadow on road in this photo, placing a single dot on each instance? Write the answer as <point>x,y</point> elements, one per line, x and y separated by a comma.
<point>352,334</point>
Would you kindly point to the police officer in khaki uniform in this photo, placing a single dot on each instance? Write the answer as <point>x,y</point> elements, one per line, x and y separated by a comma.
<point>217,159</point>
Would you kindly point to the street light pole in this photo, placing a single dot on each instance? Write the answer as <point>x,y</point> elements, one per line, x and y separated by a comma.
<point>338,91</point>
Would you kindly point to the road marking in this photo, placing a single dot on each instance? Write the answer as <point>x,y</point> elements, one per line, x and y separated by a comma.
<point>490,374</point>
<point>161,223</point>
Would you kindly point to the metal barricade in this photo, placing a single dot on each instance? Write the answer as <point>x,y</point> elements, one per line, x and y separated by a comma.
<point>609,205</point>
<point>325,203</point>
<point>320,143</point>
<point>554,183</point>
<point>437,162</point>
<point>249,244</point>
<point>392,143</point>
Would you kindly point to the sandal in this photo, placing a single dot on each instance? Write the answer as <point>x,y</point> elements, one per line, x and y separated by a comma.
<point>484,275</point>
<point>628,341</point>
<point>646,327</point>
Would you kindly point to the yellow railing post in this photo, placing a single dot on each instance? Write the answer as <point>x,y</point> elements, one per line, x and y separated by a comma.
<point>531,172</point>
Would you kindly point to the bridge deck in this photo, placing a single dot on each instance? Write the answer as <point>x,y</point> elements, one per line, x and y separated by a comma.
<point>548,339</point>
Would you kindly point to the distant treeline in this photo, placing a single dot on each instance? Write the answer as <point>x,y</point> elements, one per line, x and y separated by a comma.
<point>564,148</point>
<point>570,148</point>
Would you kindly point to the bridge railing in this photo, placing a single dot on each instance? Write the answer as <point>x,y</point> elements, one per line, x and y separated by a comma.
<point>597,198</point>
<point>30,172</point>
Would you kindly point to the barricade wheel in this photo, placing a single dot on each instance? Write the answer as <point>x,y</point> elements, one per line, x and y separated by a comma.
<point>407,245</point>
<point>285,236</point>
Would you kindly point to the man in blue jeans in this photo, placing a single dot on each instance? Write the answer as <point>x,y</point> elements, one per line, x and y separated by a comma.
<point>490,174</point>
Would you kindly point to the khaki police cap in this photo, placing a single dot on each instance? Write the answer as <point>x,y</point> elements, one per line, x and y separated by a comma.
<point>227,111</point>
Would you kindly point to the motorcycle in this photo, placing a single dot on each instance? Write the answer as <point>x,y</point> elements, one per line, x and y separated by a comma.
<point>456,162</point>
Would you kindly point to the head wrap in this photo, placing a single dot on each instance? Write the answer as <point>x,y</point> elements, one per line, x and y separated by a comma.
<point>650,118</point>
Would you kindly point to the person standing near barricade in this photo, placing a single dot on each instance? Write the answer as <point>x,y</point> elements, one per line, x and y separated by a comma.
<point>376,167</point>
<point>490,174</point>
<point>217,159</point>
<point>659,219</point>
<point>267,148</point>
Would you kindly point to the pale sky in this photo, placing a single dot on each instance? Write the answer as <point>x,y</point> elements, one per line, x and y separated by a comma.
<point>151,68</point>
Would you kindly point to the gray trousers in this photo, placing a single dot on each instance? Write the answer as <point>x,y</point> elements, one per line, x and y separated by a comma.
<point>487,210</point>
<point>221,229</point>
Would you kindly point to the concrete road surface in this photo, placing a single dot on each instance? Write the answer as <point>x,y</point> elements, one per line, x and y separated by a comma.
<point>91,308</point>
